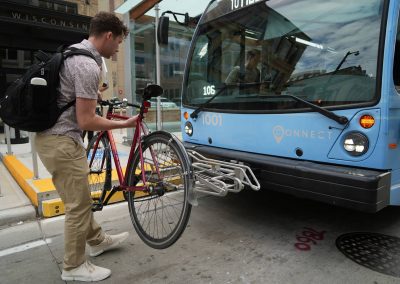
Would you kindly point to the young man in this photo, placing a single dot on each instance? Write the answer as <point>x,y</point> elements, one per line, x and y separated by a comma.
<point>62,151</point>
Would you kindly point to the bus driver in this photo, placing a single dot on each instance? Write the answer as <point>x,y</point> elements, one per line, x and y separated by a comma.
<point>251,74</point>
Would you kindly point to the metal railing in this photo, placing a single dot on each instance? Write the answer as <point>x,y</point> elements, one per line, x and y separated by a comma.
<point>33,149</point>
<point>8,139</point>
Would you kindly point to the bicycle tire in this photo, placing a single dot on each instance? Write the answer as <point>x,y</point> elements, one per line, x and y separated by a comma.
<point>175,181</point>
<point>100,168</point>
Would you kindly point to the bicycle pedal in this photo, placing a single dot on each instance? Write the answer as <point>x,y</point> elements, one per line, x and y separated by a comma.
<point>97,206</point>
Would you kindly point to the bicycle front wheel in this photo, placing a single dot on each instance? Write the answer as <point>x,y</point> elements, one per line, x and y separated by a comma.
<point>160,213</point>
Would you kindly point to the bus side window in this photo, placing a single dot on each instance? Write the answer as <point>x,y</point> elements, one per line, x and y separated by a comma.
<point>396,63</point>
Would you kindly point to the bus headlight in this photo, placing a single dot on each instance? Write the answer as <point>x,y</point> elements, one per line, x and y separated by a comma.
<point>188,128</point>
<point>356,143</point>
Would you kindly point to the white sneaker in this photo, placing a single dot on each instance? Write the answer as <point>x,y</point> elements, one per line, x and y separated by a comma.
<point>109,242</point>
<point>86,272</point>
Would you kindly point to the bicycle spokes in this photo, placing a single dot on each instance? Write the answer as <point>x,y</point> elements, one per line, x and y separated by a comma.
<point>159,210</point>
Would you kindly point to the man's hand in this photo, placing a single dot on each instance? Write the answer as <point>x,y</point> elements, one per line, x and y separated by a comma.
<point>99,96</point>
<point>132,121</point>
<point>101,89</point>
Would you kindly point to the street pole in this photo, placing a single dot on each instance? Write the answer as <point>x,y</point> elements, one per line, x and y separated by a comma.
<point>8,138</point>
<point>34,156</point>
<point>130,76</point>
<point>158,75</point>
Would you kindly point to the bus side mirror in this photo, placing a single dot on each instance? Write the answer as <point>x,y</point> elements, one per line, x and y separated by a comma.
<point>162,30</point>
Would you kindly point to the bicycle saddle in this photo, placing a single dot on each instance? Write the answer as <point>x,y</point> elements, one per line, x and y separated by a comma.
<point>151,91</point>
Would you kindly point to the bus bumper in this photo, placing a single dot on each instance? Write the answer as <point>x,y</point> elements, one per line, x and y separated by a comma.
<point>360,189</point>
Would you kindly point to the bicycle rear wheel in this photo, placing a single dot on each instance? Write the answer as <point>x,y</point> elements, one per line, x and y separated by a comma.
<point>160,214</point>
<point>100,165</point>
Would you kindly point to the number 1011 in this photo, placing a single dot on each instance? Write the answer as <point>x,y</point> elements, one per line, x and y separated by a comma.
<point>236,4</point>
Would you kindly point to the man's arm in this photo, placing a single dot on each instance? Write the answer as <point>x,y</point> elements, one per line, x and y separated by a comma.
<point>89,120</point>
<point>233,76</point>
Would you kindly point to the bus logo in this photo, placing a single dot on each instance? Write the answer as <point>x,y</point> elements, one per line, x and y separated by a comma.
<point>278,132</point>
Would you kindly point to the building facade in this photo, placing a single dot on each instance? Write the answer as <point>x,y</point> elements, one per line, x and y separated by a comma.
<point>29,25</point>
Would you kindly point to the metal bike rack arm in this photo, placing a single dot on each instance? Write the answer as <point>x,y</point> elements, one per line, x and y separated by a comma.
<point>217,177</point>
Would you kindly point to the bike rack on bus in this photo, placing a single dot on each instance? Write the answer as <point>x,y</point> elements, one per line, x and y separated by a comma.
<point>217,177</point>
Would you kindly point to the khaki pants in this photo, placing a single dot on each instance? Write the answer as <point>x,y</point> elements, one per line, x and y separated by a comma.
<point>65,159</point>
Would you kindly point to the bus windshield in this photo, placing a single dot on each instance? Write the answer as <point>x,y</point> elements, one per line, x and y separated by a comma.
<point>250,57</point>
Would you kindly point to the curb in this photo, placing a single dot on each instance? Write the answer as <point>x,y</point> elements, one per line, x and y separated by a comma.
<point>18,214</point>
<point>23,210</point>
<point>41,192</point>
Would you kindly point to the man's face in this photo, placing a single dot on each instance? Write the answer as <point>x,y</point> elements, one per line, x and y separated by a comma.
<point>111,44</point>
<point>254,60</point>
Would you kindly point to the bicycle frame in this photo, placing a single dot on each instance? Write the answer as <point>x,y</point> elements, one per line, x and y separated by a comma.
<point>136,146</point>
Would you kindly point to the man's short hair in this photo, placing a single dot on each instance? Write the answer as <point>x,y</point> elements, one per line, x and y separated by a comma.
<point>253,53</point>
<point>104,22</point>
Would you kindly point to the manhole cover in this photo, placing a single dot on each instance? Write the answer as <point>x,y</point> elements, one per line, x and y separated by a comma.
<point>375,251</point>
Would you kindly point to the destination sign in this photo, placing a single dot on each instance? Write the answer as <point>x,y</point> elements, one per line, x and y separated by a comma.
<point>223,7</point>
<point>238,4</point>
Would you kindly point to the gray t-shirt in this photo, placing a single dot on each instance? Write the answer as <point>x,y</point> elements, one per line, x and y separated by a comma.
<point>79,78</point>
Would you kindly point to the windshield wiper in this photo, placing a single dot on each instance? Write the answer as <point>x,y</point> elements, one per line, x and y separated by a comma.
<point>329,114</point>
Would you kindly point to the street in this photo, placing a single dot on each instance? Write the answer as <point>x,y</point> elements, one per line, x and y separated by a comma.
<point>243,238</point>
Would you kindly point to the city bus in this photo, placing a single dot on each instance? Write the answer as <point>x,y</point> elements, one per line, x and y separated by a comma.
<point>319,116</point>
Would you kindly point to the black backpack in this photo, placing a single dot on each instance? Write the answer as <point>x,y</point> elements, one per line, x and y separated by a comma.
<point>30,103</point>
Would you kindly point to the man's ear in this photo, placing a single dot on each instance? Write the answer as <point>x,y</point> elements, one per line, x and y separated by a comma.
<point>109,35</point>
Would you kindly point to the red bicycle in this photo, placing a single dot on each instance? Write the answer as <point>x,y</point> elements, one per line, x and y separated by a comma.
<point>157,181</point>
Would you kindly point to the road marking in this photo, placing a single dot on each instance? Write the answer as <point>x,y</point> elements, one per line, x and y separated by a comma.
<point>24,247</point>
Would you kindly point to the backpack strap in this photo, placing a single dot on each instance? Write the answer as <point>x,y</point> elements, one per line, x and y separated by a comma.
<point>71,51</point>
<point>67,106</point>
<point>42,56</point>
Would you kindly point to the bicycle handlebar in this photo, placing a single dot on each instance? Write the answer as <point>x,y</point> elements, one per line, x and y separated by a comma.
<point>109,103</point>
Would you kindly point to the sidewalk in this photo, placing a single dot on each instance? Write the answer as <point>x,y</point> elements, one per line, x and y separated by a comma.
<point>15,206</point>
<point>24,197</point>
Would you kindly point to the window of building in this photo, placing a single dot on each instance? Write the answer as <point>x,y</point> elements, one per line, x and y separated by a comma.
<point>72,10</point>
<point>2,53</point>
<point>139,46</point>
<point>12,54</point>
<point>139,60</point>
<point>57,5</point>
<point>45,4</point>
<point>177,71</point>
<point>165,71</point>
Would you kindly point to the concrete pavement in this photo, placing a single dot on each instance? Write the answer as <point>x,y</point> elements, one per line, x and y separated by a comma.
<point>244,238</point>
